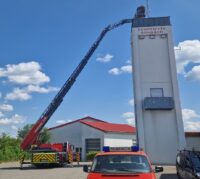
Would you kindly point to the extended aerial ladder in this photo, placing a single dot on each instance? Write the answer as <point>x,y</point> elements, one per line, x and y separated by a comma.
<point>31,137</point>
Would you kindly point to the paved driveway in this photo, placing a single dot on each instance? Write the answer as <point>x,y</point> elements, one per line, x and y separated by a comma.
<point>11,171</point>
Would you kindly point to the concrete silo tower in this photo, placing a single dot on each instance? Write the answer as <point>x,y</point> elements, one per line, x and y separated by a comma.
<point>157,103</point>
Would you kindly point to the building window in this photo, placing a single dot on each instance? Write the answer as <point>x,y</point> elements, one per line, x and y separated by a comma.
<point>134,142</point>
<point>152,36</point>
<point>163,36</point>
<point>156,92</point>
<point>141,36</point>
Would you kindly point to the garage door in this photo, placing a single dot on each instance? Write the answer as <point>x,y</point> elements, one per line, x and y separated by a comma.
<point>93,145</point>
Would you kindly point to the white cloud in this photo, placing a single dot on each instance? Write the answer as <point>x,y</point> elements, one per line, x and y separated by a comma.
<point>193,74</point>
<point>38,89</point>
<point>106,58</point>
<point>29,75</point>
<point>131,121</point>
<point>63,121</point>
<point>188,114</point>
<point>187,52</point>
<point>18,94</point>
<point>15,119</point>
<point>5,121</point>
<point>1,114</point>
<point>35,107</point>
<point>14,127</point>
<point>191,120</point>
<point>128,62</point>
<point>0,95</point>
<point>23,94</point>
<point>114,71</point>
<point>131,102</point>
<point>24,73</point>
<point>123,69</point>
<point>126,69</point>
<point>6,107</point>
<point>60,121</point>
<point>128,115</point>
<point>192,126</point>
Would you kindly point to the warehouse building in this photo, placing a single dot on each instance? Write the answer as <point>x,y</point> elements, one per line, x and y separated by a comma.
<point>192,139</point>
<point>90,134</point>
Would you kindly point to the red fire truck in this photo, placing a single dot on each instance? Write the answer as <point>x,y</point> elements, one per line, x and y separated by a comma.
<point>58,153</point>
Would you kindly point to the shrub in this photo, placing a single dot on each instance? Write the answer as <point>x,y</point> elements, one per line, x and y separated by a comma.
<point>9,148</point>
<point>90,155</point>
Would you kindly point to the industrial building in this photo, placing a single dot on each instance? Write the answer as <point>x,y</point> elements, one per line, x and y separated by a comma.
<point>192,139</point>
<point>90,134</point>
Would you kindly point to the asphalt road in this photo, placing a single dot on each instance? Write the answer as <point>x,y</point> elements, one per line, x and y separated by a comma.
<point>12,171</point>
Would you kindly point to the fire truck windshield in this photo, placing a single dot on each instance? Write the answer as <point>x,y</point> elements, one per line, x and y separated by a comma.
<point>120,164</point>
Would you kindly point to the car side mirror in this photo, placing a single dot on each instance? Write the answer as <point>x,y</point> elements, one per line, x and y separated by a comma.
<point>158,169</point>
<point>85,168</point>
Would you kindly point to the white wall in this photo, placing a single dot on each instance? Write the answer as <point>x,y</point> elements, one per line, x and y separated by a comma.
<point>160,132</point>
<point>193,142</point>
<point>119,140</point>
<point>76,134</point>
<point>69,133</point>
<point>90,133</point>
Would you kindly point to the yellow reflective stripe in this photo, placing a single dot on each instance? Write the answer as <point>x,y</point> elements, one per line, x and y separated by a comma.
<point>78,156</point>
<point>37,157</point>
<point>70,157</point>
<point>21,158</point>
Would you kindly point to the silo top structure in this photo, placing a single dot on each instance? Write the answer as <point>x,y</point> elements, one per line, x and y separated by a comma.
<point>157,103</point>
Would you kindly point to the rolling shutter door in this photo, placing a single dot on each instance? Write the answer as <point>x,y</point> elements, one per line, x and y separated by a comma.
<point>93,145</point>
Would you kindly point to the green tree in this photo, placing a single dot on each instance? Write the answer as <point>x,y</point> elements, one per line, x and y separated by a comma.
<point>21,133</point>
<point>9,148</point>
<point>44,136</point>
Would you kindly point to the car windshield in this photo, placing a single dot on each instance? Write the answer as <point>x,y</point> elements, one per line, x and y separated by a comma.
<point>121,164</point>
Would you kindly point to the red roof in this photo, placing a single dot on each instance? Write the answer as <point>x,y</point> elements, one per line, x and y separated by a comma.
<point>77,120</point>
<point>192,134</point>
<point>110,127</point>
<point>101,125</point>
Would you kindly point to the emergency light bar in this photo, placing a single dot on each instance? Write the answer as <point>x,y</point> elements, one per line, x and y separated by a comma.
<point>121,149</point>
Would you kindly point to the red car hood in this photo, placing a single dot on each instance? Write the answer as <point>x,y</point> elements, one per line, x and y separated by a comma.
<point>121,176</point>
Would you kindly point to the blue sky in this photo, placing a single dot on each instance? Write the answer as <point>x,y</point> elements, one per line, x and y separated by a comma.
<point>41,42</point>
